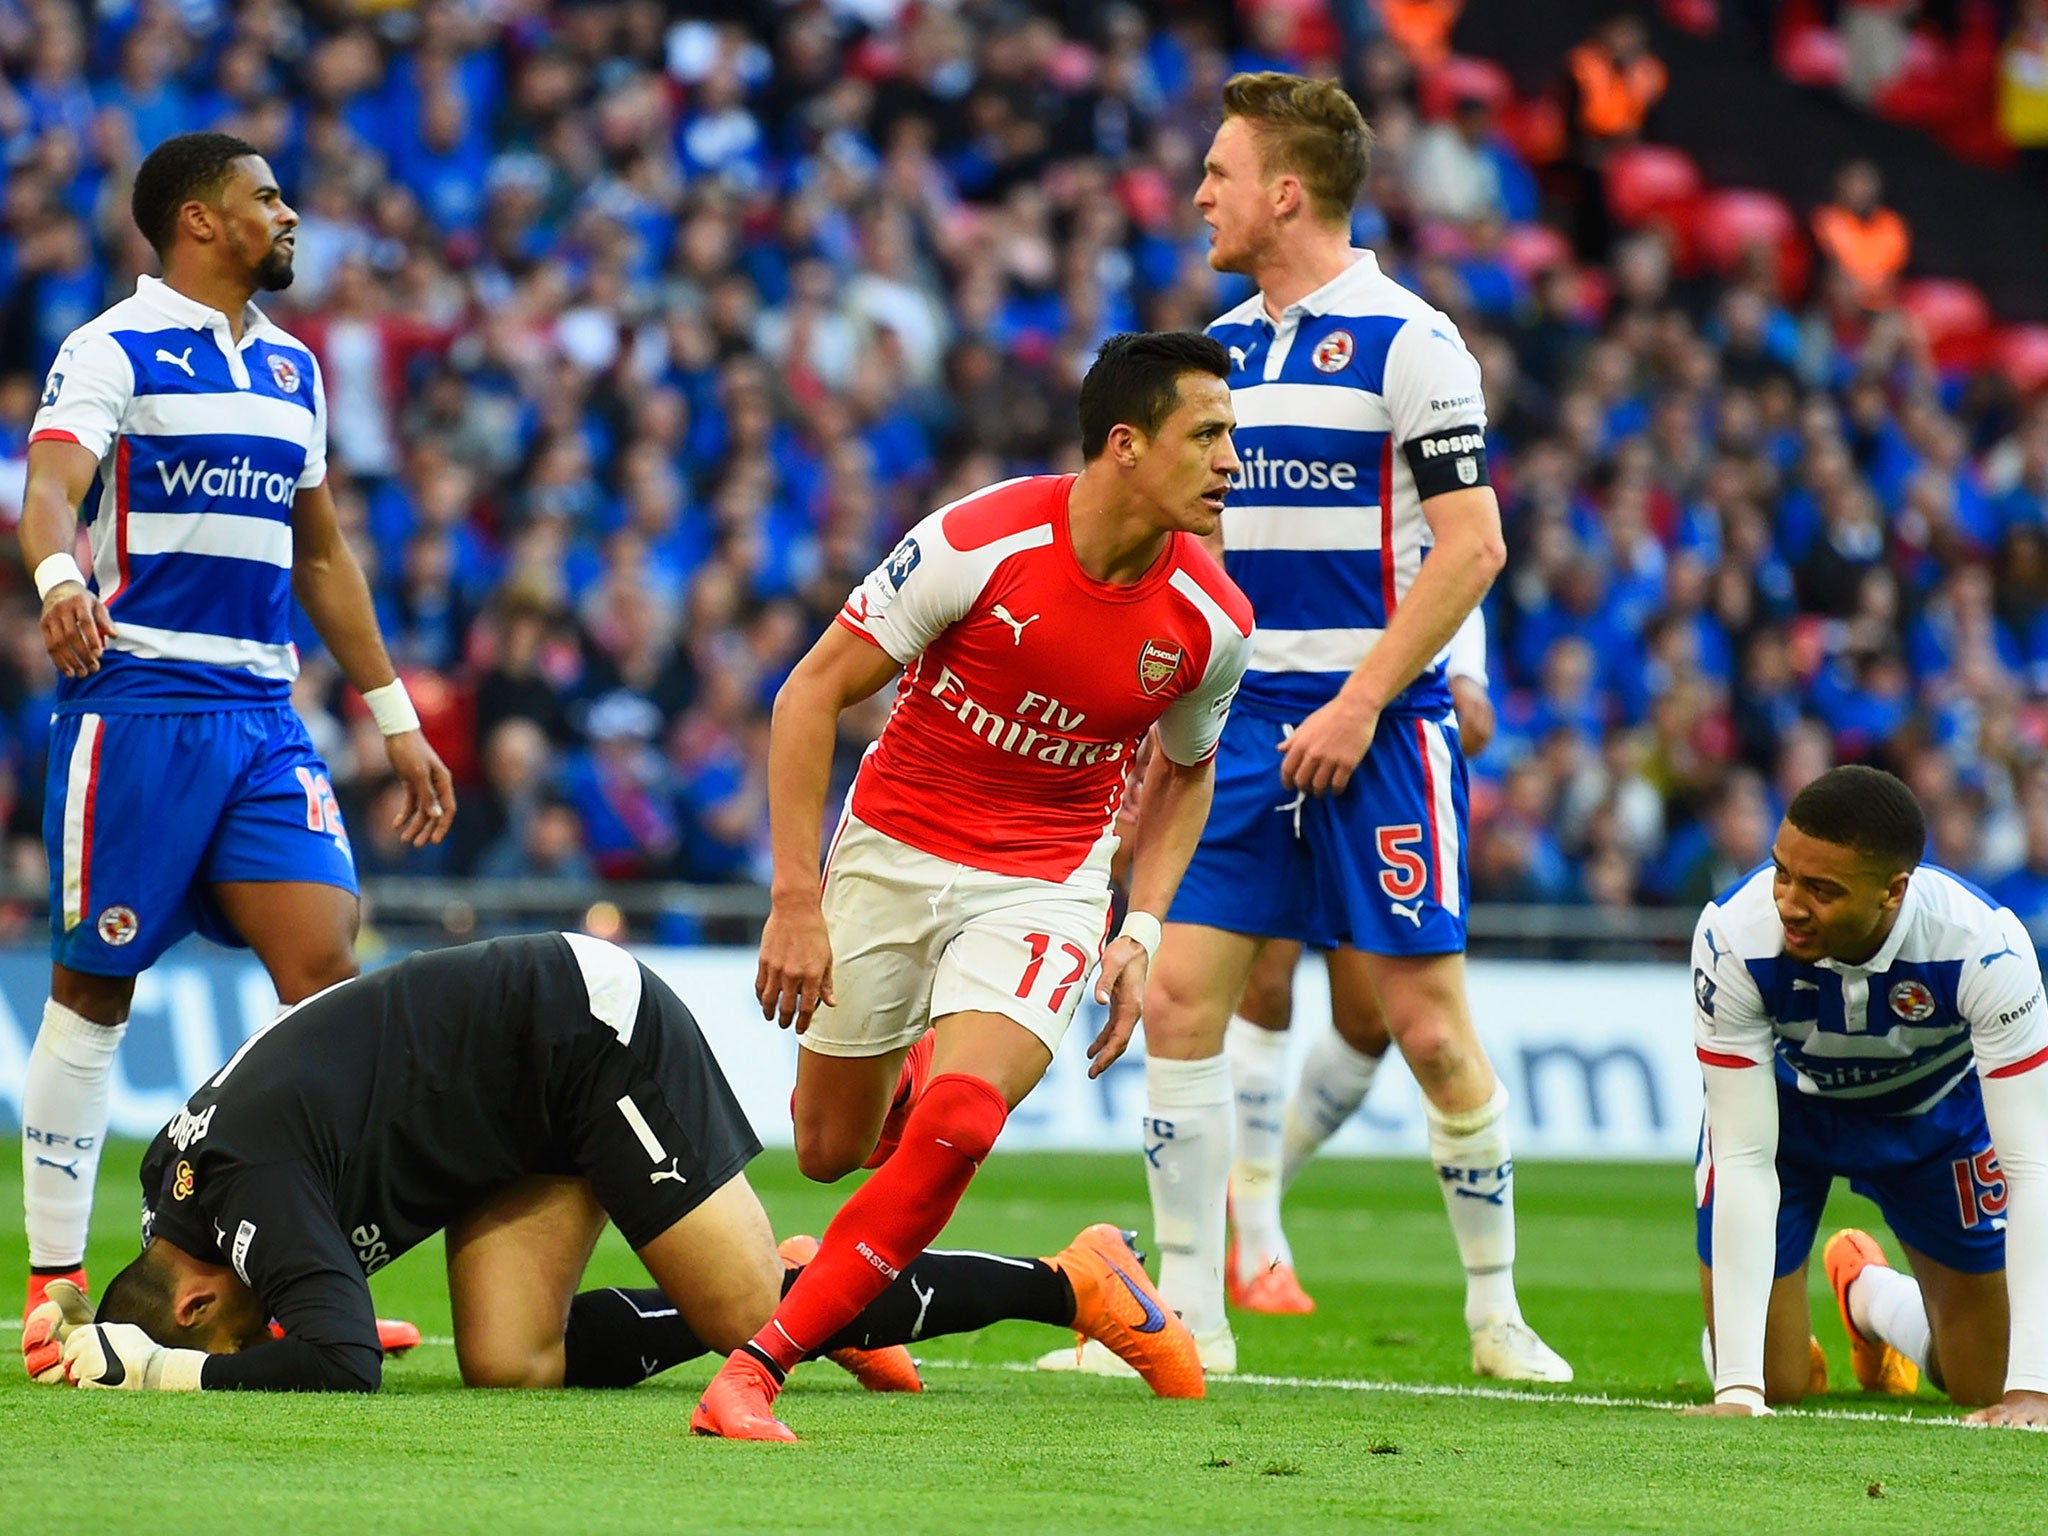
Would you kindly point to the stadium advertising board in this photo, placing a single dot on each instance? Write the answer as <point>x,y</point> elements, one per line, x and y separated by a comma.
<point>1598,1058</point>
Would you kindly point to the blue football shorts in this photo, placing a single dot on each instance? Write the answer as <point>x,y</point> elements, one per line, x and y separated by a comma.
<point>1378,867</point>
<point>145,813</point>
<point>1934,1176</point>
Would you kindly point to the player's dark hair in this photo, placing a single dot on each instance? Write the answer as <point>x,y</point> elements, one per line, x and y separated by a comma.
<point>1135,382</point>
<point>1865,809</point>
<point>191,165</point>
<point>145,1294</point>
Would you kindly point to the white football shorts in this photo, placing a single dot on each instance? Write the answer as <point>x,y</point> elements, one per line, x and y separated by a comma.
<point>916,937</point>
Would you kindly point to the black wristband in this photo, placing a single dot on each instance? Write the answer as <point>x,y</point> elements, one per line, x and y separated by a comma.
<point>1451,460</point>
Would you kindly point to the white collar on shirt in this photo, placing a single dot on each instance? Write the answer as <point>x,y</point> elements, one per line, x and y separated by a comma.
<point>1364,269</point>
<point>161,296</point>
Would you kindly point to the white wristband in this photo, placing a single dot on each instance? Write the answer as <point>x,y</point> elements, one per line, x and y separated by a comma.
<point>1748,1397</point>
<point>1143,927</point>
<point>391,707</point>
<point>175,1370</point>
<point>54,571</point>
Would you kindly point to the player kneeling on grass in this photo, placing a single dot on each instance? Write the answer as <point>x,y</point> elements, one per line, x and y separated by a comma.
<point>1842,998</point>
<point>515,1093</point>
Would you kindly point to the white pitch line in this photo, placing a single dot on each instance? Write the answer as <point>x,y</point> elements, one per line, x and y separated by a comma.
<point>1504,1394</point>
<point>1421,1389</point>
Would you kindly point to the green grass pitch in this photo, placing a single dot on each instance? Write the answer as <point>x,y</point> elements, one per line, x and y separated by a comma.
<point>1606,1272</point>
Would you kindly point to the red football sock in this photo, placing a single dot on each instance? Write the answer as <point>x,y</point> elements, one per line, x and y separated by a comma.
<point>890,1218</point>
<point>917,1066</point>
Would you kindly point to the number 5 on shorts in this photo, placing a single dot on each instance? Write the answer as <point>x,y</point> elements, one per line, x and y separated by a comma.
<point>1040,943</point>
<point>1406,875</point>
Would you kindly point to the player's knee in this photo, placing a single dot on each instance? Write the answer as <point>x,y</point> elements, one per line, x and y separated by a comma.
<point>825,1154</point>
<point>1181,1022</point>
<point>1268,1001</point>
<point>1361,1026</point>
<point>1434,1051</point>
<point>319,967</point>
<point>506,1365</point>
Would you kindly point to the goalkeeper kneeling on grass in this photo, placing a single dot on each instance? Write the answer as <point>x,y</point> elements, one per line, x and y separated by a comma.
<point>516,1094</point>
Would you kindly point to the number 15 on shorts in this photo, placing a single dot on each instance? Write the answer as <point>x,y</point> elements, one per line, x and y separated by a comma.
<point>1041,945</point>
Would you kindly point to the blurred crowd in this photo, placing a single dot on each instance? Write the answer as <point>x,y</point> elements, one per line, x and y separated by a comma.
<point>644,338</point>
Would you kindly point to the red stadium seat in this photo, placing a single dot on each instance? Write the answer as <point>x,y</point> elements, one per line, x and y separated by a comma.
<point>2022,353</point>
<point>1733,221</point>
<point>1648,179</point>
<point>1528,249</point>
<point>1536,127</point>
<point>1953,316</point>
<point>1813,56</point>
<point>1458,78</point>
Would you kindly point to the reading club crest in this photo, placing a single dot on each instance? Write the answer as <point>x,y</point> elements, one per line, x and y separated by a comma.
<point>1158,663</point>
<point>1333,352</point>
<point>118,926</point>
<point>285,372</point>
<point>1912,1001</point>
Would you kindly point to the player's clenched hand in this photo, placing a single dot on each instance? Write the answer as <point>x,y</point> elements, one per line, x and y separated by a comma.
<point>1324,750</point>
<point>429,808</point>
<point>1121,984</point>
<point>795,974</point>
<point>62,1312</point>
<point>75,629</point>
<point>2017,1410</point>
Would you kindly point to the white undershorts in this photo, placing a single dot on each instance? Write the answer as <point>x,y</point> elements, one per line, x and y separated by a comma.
<point>916,937</point>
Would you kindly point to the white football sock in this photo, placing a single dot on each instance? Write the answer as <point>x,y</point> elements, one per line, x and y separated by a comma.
<point>1258,1063</point>
<point>1187,1164</point>
<point>1885,1304</point>
<point>1477,1172</point>
<point>64,1120</point>
<point>1334,1081</point>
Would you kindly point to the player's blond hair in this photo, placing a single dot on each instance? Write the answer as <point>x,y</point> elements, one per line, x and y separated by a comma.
<point>1306,128</point>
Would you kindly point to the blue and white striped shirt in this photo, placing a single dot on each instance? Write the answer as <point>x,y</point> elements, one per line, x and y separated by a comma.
<point>203,446</point>
<point>1324,530</point>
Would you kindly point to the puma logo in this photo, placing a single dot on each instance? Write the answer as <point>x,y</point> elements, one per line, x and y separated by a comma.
<point>670,1172</point>
<point>183,360</point>
<point>924,1302</point>
<point>1983,960</point>
<point>69,1170</point>
<point>1805,986</point>
<point>1411,911</point>
<point>1016,624</point>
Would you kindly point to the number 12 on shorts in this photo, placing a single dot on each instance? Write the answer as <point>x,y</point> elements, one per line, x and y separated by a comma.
<point>1041,944</point>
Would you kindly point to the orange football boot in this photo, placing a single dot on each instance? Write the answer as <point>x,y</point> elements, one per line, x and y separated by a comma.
<point>739,1403</point>
<point>1878,1367</point>
<point>1114,1304</point>
<point>888,1369</point>
<point>1277,1291</point>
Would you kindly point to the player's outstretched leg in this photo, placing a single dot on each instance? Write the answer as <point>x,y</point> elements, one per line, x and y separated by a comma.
<point>889,1367</point>
<point>1882,1312</point>
<point>1116,1308</point>
<point>886,1223</point>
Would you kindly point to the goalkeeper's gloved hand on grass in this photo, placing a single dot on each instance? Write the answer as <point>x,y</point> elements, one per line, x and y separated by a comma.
<point>121,1355</point>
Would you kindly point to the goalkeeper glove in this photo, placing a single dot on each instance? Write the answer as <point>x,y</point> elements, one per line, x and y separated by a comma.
<point>62,1311</point>
<point>122,1355</point>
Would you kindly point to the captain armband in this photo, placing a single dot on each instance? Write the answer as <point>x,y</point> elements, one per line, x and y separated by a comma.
<point>1451,460</point>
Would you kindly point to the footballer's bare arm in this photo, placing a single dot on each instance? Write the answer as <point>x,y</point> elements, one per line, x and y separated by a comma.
<point>795,972</point>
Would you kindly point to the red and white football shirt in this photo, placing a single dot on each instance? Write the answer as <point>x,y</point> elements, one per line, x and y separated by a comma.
<point>1028,684</point>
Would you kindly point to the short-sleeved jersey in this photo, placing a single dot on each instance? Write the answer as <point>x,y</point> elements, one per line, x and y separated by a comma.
<point>366,1119</point>
<point>1324,531</point>
<point>203,446</point>
<point>1955,978</point>
<point>1028,684</point>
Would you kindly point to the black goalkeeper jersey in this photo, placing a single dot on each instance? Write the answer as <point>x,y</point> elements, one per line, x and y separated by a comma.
<point>369,1117</point>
